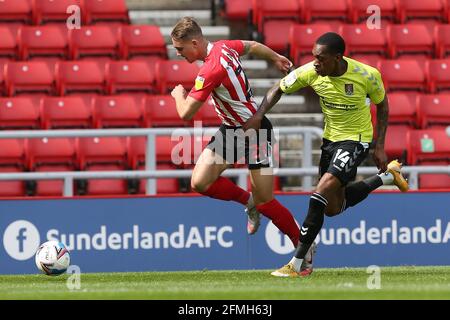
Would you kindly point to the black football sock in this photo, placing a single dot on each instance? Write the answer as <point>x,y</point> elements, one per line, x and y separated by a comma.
<point>312,224</point>
<point>358,191</point>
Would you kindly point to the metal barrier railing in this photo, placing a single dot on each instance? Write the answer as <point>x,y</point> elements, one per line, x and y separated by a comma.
<point>150,173</point>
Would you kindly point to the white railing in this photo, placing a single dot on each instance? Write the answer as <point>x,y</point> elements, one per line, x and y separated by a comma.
<point>307,171</point>
<point>150,172</point>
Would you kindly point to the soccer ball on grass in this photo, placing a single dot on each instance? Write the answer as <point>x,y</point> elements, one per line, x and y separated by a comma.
<point>52,258</point>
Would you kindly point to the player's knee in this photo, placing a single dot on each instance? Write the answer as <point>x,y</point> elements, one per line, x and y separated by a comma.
<point>198,186</point>
<point>328,186</point>
<point>332,212</point>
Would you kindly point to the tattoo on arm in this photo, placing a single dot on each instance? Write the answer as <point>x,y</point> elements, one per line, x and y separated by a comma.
<point>382,120</point>
<point>270,99</point>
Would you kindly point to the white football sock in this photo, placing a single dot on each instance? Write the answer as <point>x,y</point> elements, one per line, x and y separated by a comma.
<point>387,178</point>
<point>297,263</point>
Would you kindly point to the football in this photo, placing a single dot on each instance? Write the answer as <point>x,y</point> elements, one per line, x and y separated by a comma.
<point>52,258</point>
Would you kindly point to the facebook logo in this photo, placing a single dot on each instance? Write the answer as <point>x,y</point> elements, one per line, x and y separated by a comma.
<point>21,239</point>
<point>277,241</point>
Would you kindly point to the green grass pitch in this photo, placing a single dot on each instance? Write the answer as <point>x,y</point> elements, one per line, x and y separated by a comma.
<point>346,283</point>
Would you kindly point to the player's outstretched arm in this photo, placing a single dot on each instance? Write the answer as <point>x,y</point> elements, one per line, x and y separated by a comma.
<point>379,155</point>
<point>270,99</point>
<point>264,52</point>
<point>187,106</point>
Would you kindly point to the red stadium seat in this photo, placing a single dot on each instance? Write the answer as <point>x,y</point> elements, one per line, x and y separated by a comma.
<point>97,187</point>
<point>8,41</point>
<point>402,108</point>
<point>362,40</point>
<point>395,142</point>
<point>442,40</point>
<point>264,10</point>
<point>15,11</point>
<point>408,9</point>
<point>130,76</point>
<point>2,76</point>
<point>237,9</point>
<point>12,153</point>
<point>50,151</point>
<point>101,40</point>
<point>427,145</point>
<point>433,110</point>
<point>434,181</point>
<point>102,150</point>
<point>438,72</point>
<point>66,112</point>
<point>275,35</point>
<point>302,38</point>
<point>28,76</point>
<point>403,74</point>
<point>370,59</point>
<point>117,111</point>
<point>137,147</point>
<point>19,113</point>
<point>161,111</point>
<point>409,39</point>
<point>313,9</point>
<point>170,73</point>
<point>80,76</point>
<point>163,185</point>
<point>11,188</point>
<point>207,115</point>
<point>51,188</point>
<point>45,11</point>
<point>115,10</point>
<point>43,41</point>
<point>358,9</point>
<point>142,40</point>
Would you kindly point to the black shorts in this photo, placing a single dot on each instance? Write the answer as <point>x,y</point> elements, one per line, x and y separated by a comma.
<point>234,146</point>
<point>342,158</point>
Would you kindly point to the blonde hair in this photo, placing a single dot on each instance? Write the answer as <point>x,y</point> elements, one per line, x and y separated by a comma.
<point>186,29</point>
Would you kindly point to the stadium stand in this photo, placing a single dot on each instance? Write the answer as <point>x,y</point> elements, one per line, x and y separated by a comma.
<point>427,145</point>
<point>433,110</point>
<point>19,113</point>
<point>15,11</point>
<point>117,111</point>
<point>442,40</point>
<point>358,10</point>
<point>28,77</point>
<point>80,76</point>
<point>49,11</point>
<point>43,41</point>
<point>130,76</point>
<point>403,74</point>
<point>142,40</point>
<point>97,40</point>
<point>66,112</point>
<point>438,75</point>
<point>160,111</point>
<point>115,11</point>
<point>113,74</point>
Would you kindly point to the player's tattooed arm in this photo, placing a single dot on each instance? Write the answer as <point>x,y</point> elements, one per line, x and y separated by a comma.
<point>380,157</point>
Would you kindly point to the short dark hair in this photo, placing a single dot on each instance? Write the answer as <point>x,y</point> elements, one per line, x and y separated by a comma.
<point>333,41</point>
<point>186,29</point>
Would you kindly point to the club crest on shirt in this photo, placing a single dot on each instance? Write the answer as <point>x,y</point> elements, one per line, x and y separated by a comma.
<point>199,81</point>
<point>349,89</point>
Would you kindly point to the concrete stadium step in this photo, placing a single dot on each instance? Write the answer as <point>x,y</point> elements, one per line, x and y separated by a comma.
<point>168,4</point>
<point>296,119</point>
<point>169,17</point>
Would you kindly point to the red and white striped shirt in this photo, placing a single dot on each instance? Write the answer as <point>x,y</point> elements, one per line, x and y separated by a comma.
<point>223,77</point>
